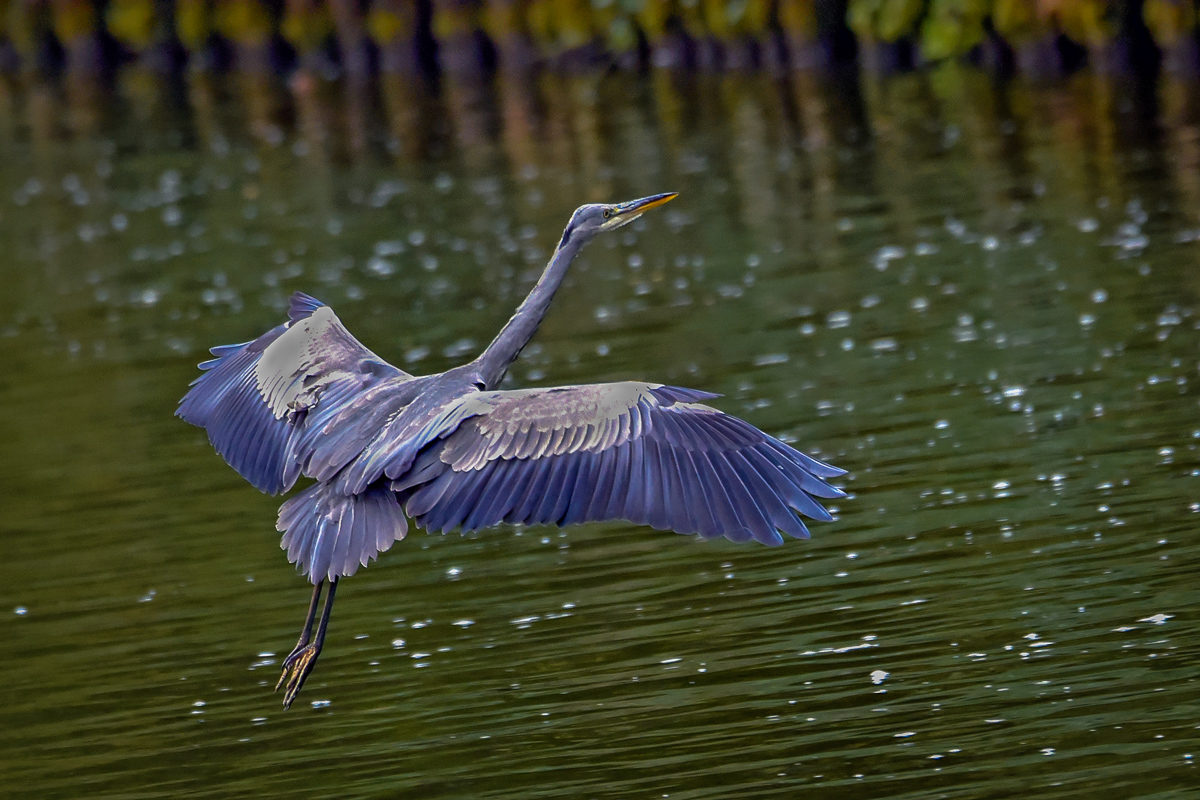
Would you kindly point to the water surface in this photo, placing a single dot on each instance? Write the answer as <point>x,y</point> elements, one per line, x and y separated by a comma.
<point>978,298</point>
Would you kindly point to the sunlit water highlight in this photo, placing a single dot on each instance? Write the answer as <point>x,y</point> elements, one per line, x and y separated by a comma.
<point>980,300</point>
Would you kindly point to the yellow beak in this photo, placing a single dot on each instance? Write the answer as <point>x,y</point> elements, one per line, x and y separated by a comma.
<point>625,213</point>
<point>635,207</point>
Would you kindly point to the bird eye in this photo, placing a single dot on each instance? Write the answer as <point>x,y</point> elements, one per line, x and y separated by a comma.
<point>607,213</point>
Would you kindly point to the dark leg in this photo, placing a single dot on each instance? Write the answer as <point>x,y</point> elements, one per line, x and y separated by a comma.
<point>302,661</point>
<point>305,634</point>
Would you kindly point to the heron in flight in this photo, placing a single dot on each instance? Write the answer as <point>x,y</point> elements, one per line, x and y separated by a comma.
<point>453,451</point>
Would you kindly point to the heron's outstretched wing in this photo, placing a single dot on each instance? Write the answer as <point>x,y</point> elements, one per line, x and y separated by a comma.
<point>642,452</point>
<point>255,399</point>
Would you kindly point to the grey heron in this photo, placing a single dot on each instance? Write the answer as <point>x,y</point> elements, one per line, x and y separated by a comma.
<point>452,450</point>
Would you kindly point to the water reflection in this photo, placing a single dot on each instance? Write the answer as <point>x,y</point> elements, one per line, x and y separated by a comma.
<point>979,296</point>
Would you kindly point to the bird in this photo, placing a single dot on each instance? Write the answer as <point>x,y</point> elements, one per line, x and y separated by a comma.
<point>453,450</point>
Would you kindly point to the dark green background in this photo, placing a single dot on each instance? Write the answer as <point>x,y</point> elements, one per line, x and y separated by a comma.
<point>977,298</point>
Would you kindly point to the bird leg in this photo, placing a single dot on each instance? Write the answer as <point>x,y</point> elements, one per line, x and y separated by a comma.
<point>305,632</point>
<point>303,658</point>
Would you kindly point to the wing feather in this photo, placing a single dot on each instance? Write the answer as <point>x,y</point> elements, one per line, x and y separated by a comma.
<point>531,492</point>
<point>680,509</point>
<point>605,478</point>
<point>582,490</point>
<point>501,497</point>
<point>726,516</point>
<point>429,495</point>
<point>258,400</point>
<point>706,518</point>
<point>635,497</point>
<point>646,453</point>
<point>658,491</point>
<point>519,490</point>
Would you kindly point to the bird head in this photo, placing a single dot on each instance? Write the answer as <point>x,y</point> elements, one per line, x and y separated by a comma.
<point>591,219</point>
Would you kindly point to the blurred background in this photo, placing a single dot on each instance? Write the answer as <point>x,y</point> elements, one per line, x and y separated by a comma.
<point>950,246</point>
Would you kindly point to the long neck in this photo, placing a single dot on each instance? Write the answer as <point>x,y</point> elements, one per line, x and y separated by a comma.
<point>493,362</point>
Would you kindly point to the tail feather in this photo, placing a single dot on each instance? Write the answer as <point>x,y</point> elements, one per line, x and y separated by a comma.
<point>329,535</point>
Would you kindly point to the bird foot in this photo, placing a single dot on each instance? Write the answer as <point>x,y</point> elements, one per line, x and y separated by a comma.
<point>299,663</point>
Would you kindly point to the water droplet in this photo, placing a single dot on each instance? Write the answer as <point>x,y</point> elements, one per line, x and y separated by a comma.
<point>884,345</point>
<point>459,348</point>
<point>380,266</point>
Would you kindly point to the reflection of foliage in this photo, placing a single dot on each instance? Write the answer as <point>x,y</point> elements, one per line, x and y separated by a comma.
<point>952,28</point>
<point>306,26</point>
<point>651,17</point>
<point>883,20</point>
<point>945,28</point>
<point>21,23</point>
<point>502,20</point>
<point>798,18</point>
<point>1016,20</point>
<point>453,20</point>
<point>1085,21</point>
<point>724,19</point>
<point>615,20</point>
<point>73,20</point>
<point>727,18</point>
<point>385,25</point>
<point>132,22</point>
<point>243,21</point>
<point>1169,21</point>
<point>561,24</point>
<point>621,34</point>
<point>192,23</point>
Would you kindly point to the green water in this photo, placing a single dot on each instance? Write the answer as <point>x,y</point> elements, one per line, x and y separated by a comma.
<point>977,298</point>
